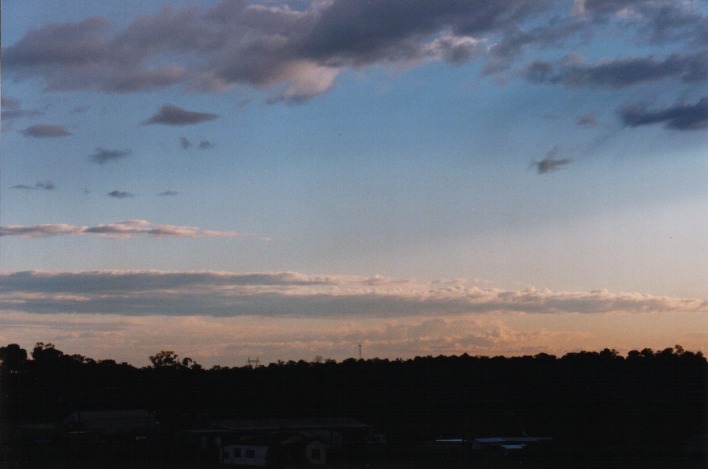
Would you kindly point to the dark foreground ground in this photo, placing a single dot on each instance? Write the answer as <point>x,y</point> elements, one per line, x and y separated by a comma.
<point>147,455</point>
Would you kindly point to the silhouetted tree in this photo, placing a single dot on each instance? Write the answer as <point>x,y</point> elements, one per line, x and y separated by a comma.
<point>46,352</point>
<point>13,357</point>
<point>165,359</point>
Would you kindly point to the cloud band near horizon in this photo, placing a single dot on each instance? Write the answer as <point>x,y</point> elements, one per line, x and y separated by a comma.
<point>287,294</point>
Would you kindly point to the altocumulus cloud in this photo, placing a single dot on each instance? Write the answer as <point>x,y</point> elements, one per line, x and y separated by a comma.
<point>287,294</point>
<point>121,229</point>
<point>299,53</point>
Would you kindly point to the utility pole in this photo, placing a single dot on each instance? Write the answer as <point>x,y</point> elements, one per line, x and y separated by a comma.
<point>253,363</point>
<point>359,351</point>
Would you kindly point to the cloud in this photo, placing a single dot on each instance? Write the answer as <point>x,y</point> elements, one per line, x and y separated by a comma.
<point>550,163</point>
<point>102,155</point>
<point>618,73</point>
<point>662,21</point>
<point>45,185</point>
<point>81,56</point>
<point>293,295</point>
<point>12,109</point>
<point>185,143</point>
<point>588,119</point>
<point>168,193</point>
<point>39,231</point>
<point>45,131</point>
<point>120,194</point>
<point>42,185</point>
<point>173,115</point>
<point>677,117</point>
<point>121,229</point>
<point>297,54</point>
<point>205,145</point>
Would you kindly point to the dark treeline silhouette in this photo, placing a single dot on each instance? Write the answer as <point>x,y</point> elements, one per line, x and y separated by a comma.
<point>594,399</point>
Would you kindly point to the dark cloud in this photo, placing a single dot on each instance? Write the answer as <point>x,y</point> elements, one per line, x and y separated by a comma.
<point>619,73</point>
<point>173,115</point>
<point>185,143</point>
<point>550,163</point>
<point>81,55</point>
<point>41,185</point>
<point>168,194</point>
<point>677,117</point>
<point>102,155</point>
<point>298,53</point>
<point>45,131</point>
<point>120,194</point>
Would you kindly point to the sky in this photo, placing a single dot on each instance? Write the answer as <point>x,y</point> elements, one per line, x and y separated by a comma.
<point>285,180</point>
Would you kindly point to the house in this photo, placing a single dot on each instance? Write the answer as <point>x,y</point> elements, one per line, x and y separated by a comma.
<point>278,448</point>
<point>246,454</point>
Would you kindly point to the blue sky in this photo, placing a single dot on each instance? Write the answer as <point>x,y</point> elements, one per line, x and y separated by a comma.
<point>301,177</point>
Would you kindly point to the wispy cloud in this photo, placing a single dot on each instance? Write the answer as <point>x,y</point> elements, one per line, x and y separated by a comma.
<point>173,115</point>
<point>103,155</point>
<point>550,163</point>
<point>286,294</point>
<point>185,143</point>
<point>45,131</point>
<point>168,193</point>
<point>120,194</point>
<point>677,117</point>
<point>299,53</point>
<point>39,185</point>
<point>121,229</point>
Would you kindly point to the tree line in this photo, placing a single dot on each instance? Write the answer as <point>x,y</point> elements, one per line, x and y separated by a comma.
<point>645,397</point>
